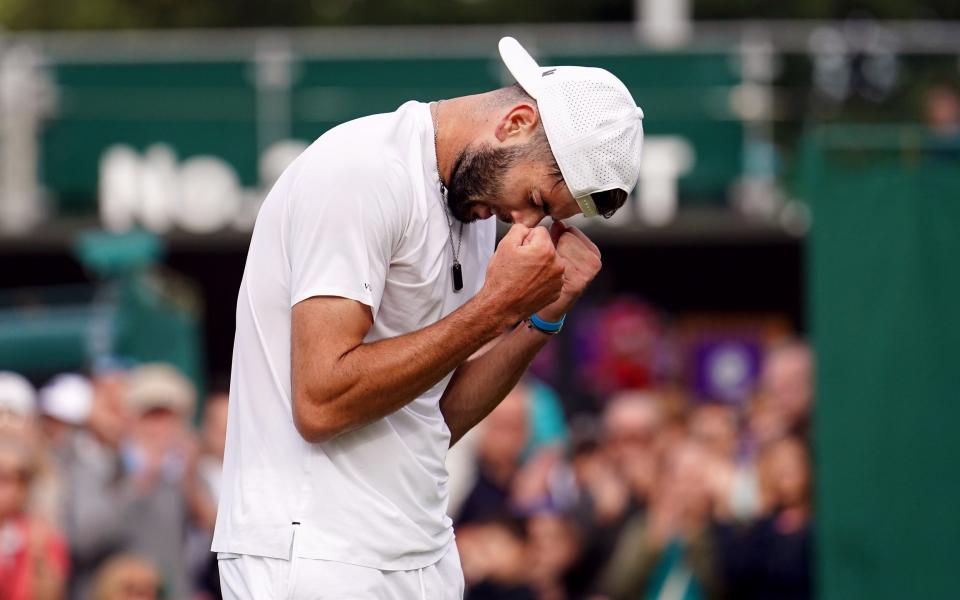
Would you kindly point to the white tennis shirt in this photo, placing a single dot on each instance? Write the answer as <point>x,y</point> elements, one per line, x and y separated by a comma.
<point>357,215</point>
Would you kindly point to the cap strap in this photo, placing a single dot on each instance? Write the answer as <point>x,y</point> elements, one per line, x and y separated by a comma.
<point>587,206</point>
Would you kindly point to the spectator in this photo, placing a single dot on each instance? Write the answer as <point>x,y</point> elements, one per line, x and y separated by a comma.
<point>786,385</point>
<point>126,577</point>
<point>668,550</point>
<point>83,422</point>
<point>33,555</point>
<point>615,475</point>
<point>632,423</point>
<point>157,457</point>
<point>503,436</point>
<point>941,108</point>
<point>18,421</point>
<point>204,493</point>
<point>18,407</point>
<point>732,478</point>
<point>495,555</point>
<point>547,434</point>
<point>556,556</point>
<point>772,557</point>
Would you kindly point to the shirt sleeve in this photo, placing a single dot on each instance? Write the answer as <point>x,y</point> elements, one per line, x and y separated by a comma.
<point>345,223</point>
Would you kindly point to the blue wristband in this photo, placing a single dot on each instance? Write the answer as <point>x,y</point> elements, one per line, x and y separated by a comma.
<point>550,327</point>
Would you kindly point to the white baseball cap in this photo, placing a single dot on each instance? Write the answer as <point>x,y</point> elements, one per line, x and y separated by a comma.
<point>67,398</point>
<point>593,125</point>
<point>17,395</point>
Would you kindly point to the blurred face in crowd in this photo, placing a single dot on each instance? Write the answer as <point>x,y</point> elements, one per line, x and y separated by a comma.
<point>159,428</point>
<point>127,578</point>
<point>715,426</point>
<point>504,435</point>
<point>683,482</point>
<point>493,551</point>
<point>787,381</point>
<point>15,475</point>
<point>554,545</point>
<point>215,424</point>
<point>942,108</point>
<point>786,473</point>
<point>17,427</point>
<point>631,424</point>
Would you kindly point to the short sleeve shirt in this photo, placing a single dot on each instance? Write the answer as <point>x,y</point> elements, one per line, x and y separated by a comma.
<point>358,215</point>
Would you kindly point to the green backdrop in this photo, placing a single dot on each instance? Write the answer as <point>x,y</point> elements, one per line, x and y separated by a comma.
<point>885,300</point>
<point>210,107</point>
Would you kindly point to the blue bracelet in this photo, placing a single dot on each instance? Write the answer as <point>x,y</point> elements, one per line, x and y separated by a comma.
<point>551,327</point>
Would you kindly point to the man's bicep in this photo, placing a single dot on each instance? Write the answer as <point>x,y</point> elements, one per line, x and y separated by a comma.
<point>322,330</point>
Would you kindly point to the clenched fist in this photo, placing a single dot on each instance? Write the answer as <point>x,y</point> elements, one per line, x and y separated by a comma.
<point>525,273</point>
<point>581,261</point>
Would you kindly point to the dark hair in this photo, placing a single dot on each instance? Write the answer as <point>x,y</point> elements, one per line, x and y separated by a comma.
<point>609,202</point>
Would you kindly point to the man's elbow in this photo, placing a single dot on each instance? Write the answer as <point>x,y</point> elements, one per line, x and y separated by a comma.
<point>317,422</point>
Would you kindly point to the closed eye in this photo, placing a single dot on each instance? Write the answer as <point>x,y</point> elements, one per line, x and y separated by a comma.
<point>541,205</point>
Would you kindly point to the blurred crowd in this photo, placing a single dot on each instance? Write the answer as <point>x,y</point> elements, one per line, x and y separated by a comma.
<point>107,490</point>
<point>657,495</point>
<point>109,483</point>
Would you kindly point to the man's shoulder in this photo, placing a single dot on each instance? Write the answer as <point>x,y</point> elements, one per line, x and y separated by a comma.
<point>373,146</point>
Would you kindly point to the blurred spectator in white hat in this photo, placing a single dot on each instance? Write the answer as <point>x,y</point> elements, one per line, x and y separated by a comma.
<point>18,406</point>
<point>159,458</point>
<point>19,421</point>
<point>82,421</point>
<point>33,554</point>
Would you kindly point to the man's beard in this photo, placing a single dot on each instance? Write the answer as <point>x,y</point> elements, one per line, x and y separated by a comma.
<point>478,176</point>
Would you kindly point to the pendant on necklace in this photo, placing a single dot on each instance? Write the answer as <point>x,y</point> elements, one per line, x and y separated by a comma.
<point>457,277</point>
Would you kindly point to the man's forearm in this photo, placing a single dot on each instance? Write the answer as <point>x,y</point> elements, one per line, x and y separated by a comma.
<point>481,383</point>
<point>373,380</point>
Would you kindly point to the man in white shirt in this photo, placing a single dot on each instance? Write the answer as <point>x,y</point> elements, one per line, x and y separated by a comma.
<point>370,286</point>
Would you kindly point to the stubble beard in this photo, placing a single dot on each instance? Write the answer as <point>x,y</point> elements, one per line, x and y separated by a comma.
<point>478,176</point>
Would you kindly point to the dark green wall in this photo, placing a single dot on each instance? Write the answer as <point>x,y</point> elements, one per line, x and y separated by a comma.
<point>885,300</point>
<point>210,107</point>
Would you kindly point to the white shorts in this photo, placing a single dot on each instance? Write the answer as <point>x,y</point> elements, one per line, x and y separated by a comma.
<point>248,577</point>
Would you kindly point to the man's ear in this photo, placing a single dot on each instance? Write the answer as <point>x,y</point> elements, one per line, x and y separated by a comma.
<point>518,123</point>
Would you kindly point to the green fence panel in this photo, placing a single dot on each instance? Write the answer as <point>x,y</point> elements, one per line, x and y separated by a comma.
<point>210,107</point>
<point>885,292</point>
<point>196,108</point>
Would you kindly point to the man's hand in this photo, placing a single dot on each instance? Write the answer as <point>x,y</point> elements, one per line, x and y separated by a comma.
<point>581,261</point>
<point>525,273</point>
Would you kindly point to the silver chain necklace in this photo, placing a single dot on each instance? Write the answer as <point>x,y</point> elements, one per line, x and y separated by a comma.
<point>455,250</point>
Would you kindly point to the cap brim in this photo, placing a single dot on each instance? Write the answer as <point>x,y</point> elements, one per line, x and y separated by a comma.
<point>521,65</point>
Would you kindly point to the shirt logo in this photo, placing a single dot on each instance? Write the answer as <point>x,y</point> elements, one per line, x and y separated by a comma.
<point>548,72</point>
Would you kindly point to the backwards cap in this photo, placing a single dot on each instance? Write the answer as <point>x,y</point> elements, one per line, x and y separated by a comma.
<point>593,125</point>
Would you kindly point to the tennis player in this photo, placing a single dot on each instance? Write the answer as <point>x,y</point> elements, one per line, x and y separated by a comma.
<point>370,285</point>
